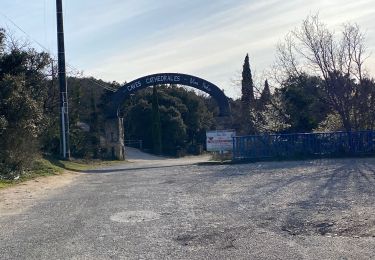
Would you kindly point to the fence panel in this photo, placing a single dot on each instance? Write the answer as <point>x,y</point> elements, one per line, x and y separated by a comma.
<point>303,145</point>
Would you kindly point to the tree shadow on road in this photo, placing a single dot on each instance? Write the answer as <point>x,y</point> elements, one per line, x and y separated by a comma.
<point>319,197</point>
<point>337,201</point>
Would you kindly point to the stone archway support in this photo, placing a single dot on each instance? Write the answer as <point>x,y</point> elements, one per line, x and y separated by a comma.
<point>112,142</point>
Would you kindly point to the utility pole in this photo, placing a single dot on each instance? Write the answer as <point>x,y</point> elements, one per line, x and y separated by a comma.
<point>64,115</point>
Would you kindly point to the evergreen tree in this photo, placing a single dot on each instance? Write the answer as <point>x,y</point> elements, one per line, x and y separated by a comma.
<point>247,83</point>
<point>305,102</point>
<point>247,100</point>
<point>156,129</point>
<point>265,96</point>
<point>23,91</point>
<point>184,119</point>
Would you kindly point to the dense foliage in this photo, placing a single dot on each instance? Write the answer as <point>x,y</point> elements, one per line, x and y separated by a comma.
<point>184,118</point>
<point>339,63</point>
<point>23,96</point>
<point>320,84</point>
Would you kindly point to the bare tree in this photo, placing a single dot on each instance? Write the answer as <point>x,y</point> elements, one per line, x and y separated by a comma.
<point>339,61</point>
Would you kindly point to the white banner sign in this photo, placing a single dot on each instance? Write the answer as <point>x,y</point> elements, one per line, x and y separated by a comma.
<point>220,140</point>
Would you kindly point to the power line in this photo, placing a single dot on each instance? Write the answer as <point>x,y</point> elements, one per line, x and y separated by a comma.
<point>24,32</point>
<point>91,80</point>
<point>54,56</point>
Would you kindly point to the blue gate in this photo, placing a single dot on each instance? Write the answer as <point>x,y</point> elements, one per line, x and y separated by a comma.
<point>303,145</point>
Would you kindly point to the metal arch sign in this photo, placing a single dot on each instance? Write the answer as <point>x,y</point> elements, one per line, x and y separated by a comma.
<point>169,78</point>
<point>174,78</point>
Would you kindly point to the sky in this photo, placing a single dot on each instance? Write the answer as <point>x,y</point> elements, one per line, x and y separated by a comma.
<point>118,40</point>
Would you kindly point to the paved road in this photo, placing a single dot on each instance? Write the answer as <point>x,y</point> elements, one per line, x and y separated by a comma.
<point>139,160</point>
<point>321,209</point>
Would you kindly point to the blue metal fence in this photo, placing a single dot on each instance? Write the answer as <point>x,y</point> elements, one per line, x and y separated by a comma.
<point>303,145</point>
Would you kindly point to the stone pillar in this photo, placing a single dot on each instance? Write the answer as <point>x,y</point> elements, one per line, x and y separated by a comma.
<point>113,140</point>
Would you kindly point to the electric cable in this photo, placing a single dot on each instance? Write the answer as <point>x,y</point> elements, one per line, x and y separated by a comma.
<point>53,55</point>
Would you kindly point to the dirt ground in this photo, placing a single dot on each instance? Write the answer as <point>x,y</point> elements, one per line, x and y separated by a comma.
<point>16,199</point>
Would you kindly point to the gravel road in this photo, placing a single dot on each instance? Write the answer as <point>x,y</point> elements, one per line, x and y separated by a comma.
<point>321,209</point>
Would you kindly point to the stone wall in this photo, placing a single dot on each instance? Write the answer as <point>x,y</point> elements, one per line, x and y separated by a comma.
<point>112,140</point>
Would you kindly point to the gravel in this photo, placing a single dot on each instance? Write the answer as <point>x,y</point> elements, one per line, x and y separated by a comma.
<point>319,209</point>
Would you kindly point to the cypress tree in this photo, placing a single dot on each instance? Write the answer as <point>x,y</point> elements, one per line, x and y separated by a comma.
<point>247,100</point>
<point>156,128</point>
<point>247,83</point>
<point>265,97</point>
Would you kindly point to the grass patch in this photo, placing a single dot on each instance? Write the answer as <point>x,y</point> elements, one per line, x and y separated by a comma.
<point>41,167</point>
<point>5,183</point>
<point>51,166</point>
<point>45,167</point>
<point>72,165</point>
<point>81,165</point>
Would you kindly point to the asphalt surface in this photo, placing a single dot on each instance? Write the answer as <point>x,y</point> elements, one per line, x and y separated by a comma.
<point>322,209</point>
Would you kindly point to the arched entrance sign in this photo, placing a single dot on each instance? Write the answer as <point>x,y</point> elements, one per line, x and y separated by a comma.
<point>173,78</point>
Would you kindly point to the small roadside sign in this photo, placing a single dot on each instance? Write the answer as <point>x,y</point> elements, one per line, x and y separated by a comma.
<point>220,140</point>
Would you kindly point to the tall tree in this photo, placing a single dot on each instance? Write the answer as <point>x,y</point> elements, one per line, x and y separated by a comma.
<point>23,90</point>
<point>339,61</point>
<point>247,100</point>
<point>184,118</point>
<point>156,128</point>
<point>265,96</point>
<point>304,102</point>
<point>247,83</point>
